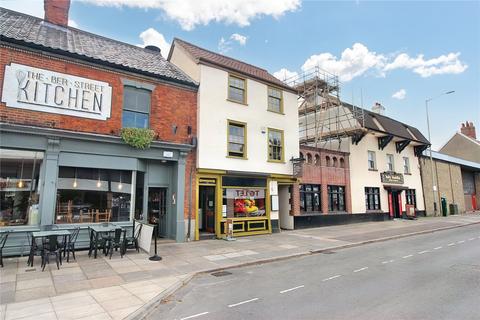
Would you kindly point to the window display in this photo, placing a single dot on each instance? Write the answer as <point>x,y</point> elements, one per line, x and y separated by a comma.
<point>244,202</point>
<point>19,187</point>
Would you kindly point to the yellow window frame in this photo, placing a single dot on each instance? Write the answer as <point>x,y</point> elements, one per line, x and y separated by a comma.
<point>282,160</point>
<point>244,125</point>
<point>244,88</point>
<point>268,99</point>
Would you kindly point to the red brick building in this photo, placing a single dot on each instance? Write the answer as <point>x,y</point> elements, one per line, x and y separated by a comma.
<point>66,95</point>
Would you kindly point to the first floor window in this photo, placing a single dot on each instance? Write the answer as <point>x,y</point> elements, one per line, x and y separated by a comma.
<point>406,165</point>
<point>371,160</point>
<point>275,102</point>
<point>275,145</point>
<point>86,195</point>
<point>310,198</point>
<point>237,89</point>
<point>19,187</point>
<point>236,139</point>
<point>410,197</point>
<point>372,198</point>
<point>136,107</point>
<point>336,198</point>
<point>390,163</point>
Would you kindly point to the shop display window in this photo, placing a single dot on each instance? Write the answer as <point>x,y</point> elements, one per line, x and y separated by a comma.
<point>19,187</point>
<point>244,202</point>
<point>89,195</point>
<point>336,198</point>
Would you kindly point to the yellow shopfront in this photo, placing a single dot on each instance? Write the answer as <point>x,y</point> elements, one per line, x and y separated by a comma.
<point>243,200</point>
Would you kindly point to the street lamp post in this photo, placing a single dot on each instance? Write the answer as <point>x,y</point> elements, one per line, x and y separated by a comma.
<point>434,187</point>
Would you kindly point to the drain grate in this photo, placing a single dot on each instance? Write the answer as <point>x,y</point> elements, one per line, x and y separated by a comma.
<point>221,273</point>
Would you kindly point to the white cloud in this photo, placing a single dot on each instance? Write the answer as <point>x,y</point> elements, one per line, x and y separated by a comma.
<point>72,23</point>
<point>242,40</point>
<point>225,45</point>
<point>155,38</point>
<point>190,14</point>
<point>285,74</point>
<point>400,94</point>
<point>444,64</point>
<point>359,60</point>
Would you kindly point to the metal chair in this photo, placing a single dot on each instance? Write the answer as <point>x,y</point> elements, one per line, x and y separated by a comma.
<point>3,240</point>
<point>70,246</point>
<point>117,242</point>
<point>51,247</point>
<point>132,242</point>
<point>96,242</point>
<point>35,249</point>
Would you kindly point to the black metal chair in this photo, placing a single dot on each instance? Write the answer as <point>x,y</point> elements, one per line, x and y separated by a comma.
<point>70,246</point>
<point>51,247</point>
<point>117,242</point>
<point>96,242</point>
<point>35,249</point>
<point>132,241</point>
<point>3,240</point>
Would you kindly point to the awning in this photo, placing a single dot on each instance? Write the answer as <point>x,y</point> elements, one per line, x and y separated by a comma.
<point>394,187</point>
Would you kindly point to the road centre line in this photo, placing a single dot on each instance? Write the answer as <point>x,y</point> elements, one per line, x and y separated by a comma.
<point>291,289</point>
<point>243,302</point>
<point>387,261</point>
<point>331,278</point>
<point>409,256</point>
<point>451,244</point>
<point>471,239</point>
<point>195,315</point>
<point>461,241</point>
<point>437,248</point>
<point>361,269</point>
<point>424,251</point>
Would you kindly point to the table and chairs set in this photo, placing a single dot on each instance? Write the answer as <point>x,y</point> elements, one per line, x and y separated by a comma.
<point>58,243</point>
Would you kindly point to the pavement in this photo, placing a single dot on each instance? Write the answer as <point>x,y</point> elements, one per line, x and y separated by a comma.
<point>132,286</point>
<point>421,277</point>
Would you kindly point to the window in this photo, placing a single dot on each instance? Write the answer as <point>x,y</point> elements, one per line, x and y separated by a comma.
<point>335,162</point>
<point>328,162</point>
<point>237,89</point>
<point>342,163</point>
<point>372,165</point>
<point>275,100</point>
<point>336,198</point>
<point>309,158</point>
<point>372,198</point>
<point>136,107</point>
<point>237,139</point>
<point>86,195</point>
<point>390,163</point>
<point>309,198</point>
<point>19,187</point>
<point>275,145</point>
<point>317,160</point>
<point>410,197</point>
<point>406,165</point>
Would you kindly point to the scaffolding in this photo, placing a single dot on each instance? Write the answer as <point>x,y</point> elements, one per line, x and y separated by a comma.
<point>323,117</point>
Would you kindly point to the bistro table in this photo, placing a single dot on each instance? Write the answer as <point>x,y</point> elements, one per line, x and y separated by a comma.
<point>45,234</point>
<point>96,231</point>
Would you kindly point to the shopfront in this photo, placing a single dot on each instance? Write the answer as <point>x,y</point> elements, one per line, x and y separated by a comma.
<point>243,201</point>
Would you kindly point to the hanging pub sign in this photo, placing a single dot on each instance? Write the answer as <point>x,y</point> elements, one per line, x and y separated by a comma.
<point>36,89</point>
<point>391,177</point>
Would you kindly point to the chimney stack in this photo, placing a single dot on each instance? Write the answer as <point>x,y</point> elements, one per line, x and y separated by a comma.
<point>56,11</point>
<point>468,129</point>
<point>378,108</point>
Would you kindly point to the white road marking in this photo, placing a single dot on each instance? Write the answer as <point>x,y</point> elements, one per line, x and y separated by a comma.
<point>243,302</point>
<point>424,251</point>
<point>478,237</point>
<point>387,261</point>
<point>361,269</point>
<point>437,248</point>
<point>461,241</point>
<point>451,244</point>
<point>291,289</point>
<point>471,239</point>
<point>331,278</point>
<point>409,256</point>
<point>195,315</point>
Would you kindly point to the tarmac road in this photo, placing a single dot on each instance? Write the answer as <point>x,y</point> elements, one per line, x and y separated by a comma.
<point>432,276</point>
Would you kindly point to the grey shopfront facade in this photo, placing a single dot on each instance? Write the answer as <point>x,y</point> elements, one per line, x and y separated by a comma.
<point>162,166</point>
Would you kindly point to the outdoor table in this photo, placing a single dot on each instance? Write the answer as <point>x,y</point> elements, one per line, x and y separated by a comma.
<point>97,230</point>
<point>45,234</point>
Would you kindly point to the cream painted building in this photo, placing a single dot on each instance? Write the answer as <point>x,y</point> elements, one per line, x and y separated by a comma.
<point>247,134</point>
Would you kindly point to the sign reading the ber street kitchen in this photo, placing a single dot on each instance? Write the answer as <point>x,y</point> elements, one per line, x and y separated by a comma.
<point>43,90</point>
<point>391,177</point>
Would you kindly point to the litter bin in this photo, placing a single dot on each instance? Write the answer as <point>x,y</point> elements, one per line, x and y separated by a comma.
<point>444,207</point>
<point>453,208</point>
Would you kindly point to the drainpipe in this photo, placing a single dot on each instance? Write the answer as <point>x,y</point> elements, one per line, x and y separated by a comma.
<point>190,206</point>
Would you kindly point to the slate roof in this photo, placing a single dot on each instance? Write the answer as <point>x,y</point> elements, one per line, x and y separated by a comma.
<point>390,126</point>
<point>207,56</point>
<point>34,32</point>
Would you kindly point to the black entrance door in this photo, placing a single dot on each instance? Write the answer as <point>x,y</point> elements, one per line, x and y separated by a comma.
<point>207,206</point>
<point>157,209</point>
<point>397,211</point>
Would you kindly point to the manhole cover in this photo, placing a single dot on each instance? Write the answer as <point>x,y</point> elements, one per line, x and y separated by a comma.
<point>221,273</point>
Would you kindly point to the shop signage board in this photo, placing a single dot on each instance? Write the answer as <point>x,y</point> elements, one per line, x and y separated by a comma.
<point>391,177</point>
<point>43,90</point>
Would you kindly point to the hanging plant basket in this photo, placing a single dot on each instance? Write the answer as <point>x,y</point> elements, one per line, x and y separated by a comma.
<point>137,137</point>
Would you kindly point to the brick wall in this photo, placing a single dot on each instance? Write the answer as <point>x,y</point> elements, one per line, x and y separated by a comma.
<point>323,167</point>
<point>170,105</point>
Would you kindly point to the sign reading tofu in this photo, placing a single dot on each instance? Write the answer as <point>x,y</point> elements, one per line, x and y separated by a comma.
<point>36,89</point>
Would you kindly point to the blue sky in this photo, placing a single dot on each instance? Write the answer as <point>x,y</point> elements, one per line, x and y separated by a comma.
<point>415,49</point>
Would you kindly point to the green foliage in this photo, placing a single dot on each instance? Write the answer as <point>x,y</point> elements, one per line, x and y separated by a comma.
<point>137,137</point>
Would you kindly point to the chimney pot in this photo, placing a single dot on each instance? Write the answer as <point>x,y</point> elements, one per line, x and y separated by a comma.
<point>56,11</point>
<point>468,129</point>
